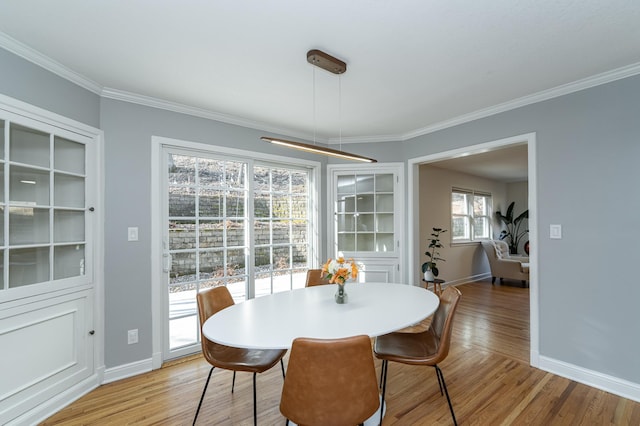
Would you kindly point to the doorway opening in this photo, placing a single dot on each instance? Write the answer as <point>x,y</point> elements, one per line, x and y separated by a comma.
<point>415,243</point>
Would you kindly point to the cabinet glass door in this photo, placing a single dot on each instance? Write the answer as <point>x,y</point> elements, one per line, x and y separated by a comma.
<point>365,212</point>
<point>42,206</point>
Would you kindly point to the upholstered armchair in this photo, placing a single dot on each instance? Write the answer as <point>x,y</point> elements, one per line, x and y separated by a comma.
<point>504,265</point>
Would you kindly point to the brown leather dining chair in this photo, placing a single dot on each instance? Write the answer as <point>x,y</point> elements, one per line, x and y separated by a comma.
<point>255,361</point>
<point>428,347</point>
<point>314,277</point>
<point>330,382</point>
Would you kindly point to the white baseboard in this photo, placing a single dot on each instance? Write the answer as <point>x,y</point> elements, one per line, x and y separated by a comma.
<point>470,279</point>
<point>128,370</point>
<point>101,376</point>
<point>51,406</point>
<point>614,385</point>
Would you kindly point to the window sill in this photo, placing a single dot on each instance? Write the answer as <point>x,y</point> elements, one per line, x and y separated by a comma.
<point>466,243</point>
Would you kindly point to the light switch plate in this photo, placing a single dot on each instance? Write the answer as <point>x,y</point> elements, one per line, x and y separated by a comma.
<point>132,336</point>
<point>555,232</point>
<point>132,234</point>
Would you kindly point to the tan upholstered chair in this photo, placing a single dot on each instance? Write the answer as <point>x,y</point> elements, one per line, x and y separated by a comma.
<point>330,382</point>
<point>428,347</point>
<point>254,361</point>
<point>314,277</point>
<point>503,265</point>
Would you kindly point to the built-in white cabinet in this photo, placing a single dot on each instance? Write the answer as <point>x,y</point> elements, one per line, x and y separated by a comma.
<point>365,212</point>
<point>49,231</point>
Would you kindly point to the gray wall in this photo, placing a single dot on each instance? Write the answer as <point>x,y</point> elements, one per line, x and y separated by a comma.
<point>22,80</point>
<point>587,150</point>
<point>128,130</point>
<point>587,176</point>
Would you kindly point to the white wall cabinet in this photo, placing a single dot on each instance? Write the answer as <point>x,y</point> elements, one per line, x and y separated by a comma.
<point>49,234</point>
<point>365,218</point>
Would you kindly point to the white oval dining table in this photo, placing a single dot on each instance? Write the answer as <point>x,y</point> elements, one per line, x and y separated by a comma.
<point>274,321</point>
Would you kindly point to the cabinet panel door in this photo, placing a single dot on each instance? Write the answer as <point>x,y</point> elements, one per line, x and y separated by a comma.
<point>377,270</point>
<point>46,345</point>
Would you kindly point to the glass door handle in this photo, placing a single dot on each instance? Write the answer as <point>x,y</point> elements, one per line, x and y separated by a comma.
<point>166,262</point>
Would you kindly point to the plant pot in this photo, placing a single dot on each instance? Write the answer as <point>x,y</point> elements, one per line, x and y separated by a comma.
<point>428,275</point>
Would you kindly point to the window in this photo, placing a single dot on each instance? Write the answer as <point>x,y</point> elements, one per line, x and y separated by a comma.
<point>281,225</point>
<point>232,221</point>
<point>470,215</point>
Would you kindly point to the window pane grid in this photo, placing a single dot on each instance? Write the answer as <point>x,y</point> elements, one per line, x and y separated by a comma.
<point>216,240</point>
<point>208,249</point>
<point>281,201</point>
<point>364,212</point>
<point>470,216</point>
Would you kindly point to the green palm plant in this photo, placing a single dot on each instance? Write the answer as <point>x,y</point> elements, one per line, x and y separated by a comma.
<point>513,234</point>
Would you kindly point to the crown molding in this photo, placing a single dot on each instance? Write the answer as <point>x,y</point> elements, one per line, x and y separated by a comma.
<point>366,139</point>
<point>121,95</point>
<point>565,89</point>
<point>32,55</point>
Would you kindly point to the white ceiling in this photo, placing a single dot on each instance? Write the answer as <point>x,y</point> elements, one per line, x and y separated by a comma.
<point>506,165</point>
<point>413,65</point>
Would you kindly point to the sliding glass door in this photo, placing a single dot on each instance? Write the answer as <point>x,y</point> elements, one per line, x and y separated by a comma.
<point>235,222</point>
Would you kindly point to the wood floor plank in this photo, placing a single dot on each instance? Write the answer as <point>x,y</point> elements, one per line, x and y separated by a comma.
<point>487,374</point>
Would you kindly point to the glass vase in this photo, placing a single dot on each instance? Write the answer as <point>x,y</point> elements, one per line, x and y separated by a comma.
<point>341,295</point>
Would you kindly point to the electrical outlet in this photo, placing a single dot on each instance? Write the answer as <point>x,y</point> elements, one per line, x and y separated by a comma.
<point>132,336</point>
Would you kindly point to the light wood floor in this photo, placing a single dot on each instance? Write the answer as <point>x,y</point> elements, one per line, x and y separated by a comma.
<point>487,373</point>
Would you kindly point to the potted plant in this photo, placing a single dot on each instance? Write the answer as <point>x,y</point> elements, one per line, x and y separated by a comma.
<point>430,268</point>
<point>513,234</point>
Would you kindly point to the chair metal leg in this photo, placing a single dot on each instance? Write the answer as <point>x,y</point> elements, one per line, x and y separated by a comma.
<point>439,382</point>
<point>385,368</point>
<point>233,382</point>
<point>255,408</point>
<point>382,370</point>
<point>444,384</point>
<point>202,397</point>
<point>282,365</point>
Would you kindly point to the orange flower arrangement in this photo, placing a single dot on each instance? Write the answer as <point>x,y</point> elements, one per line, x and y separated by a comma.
<point>339,270</point>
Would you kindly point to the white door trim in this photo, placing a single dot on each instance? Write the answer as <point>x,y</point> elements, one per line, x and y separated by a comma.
<point>414,226</point>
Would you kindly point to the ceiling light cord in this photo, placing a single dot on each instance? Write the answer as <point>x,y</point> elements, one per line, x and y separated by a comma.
<point>314,105</point>
<point>335,66</point>
<point>340,110</point>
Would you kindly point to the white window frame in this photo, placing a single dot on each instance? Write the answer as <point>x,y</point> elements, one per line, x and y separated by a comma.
<point>471,194</point>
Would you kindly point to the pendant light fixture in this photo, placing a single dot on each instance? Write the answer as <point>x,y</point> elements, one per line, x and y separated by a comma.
<point>336,66</point>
